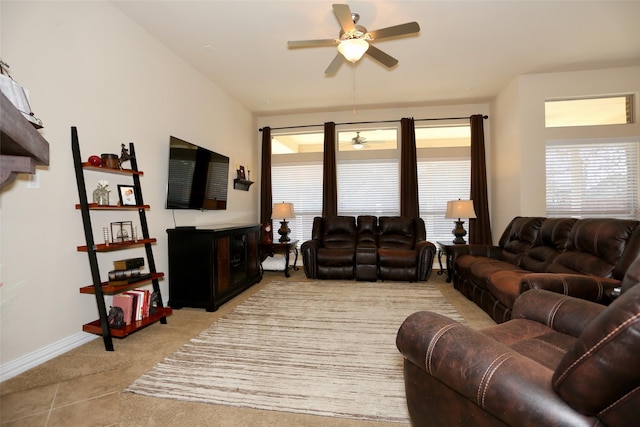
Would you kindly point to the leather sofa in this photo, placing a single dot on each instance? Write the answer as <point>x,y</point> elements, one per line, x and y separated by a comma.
<point>584,258</point>
<point>368,248</point>
<point>561,361</point>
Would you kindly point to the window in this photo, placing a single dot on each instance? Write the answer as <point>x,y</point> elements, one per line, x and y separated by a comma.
<point>369,187</point>
<point>369,178</point>
<point>439,181</point>
<point>604,110</point>
<point>372,139</point>
<point>296,143</point>
<point>444,169</point>
<point>300,184</point>
<point>592,179</point>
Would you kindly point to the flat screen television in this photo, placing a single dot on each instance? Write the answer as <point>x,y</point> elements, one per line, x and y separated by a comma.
<point>198,177</point>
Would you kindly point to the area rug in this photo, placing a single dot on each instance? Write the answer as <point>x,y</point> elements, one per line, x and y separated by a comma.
<point>323,348</point>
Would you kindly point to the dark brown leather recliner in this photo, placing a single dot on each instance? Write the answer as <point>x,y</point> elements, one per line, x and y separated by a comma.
<point>330,254</point>
<point>560,361</point>
<point>403,251</point>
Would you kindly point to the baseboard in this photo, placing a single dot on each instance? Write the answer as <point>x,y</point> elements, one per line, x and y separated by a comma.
<point>31,360</point>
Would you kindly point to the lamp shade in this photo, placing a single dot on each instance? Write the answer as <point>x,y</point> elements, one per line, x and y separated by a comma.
<point>283,211</point>
<point>353,49</point>
<point>460,209</point>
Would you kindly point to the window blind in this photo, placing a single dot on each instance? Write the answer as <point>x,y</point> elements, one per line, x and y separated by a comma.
<point>369,187</point>
<point>300,184</point>
<point>441,180</point>
<point>592,179</point>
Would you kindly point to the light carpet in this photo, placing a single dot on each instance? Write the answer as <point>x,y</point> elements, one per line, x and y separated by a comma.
<point>321,348</point>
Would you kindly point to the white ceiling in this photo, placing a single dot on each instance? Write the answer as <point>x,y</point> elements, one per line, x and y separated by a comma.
<point>466,51</point>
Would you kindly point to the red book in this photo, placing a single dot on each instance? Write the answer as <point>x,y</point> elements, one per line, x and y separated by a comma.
<point>125,302</point>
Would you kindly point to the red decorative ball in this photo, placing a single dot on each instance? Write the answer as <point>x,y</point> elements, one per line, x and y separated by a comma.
<point>95,160</point>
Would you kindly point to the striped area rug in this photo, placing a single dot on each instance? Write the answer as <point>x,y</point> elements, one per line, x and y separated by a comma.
<point>323,348</point>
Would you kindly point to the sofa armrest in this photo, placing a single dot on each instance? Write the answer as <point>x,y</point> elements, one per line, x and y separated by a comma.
<point>309,250</point>
<point>426,254</point>
<point>590,288</point>
<point>564,314</point>
<point>484,371</point>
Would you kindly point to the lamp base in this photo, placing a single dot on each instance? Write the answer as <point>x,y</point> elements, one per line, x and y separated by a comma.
<point>284,232</point>
<point>459,232</point>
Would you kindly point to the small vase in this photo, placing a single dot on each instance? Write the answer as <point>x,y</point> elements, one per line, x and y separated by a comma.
<point>101,196</point>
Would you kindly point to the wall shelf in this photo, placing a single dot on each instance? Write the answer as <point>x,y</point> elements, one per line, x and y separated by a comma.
<point>242,184</point>
<point>21,145</point>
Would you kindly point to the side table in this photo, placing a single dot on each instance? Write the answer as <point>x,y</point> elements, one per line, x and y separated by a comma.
<point>272,248</point>
<point>444,248</point>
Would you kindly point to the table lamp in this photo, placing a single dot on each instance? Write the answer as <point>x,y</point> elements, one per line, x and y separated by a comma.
<point>285,211</point>
<point>459,209</point>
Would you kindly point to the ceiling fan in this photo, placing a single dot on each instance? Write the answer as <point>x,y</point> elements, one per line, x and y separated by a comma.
<point>357,142</point>
<point>354,40</point>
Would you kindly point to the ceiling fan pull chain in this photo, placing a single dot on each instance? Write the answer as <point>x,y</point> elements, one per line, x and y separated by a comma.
<point>353,67</point>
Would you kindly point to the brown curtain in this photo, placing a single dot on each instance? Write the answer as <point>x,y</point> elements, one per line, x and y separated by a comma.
<point>480,227</point>
<point>266,198</point>
<point>329,180</point>
<point>408,170</point>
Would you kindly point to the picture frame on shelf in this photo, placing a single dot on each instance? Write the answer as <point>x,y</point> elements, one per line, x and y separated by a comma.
<point>127,195</point>
<point>121,231</point>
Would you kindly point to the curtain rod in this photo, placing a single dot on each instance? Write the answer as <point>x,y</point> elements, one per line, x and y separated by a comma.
<point>371,122</point>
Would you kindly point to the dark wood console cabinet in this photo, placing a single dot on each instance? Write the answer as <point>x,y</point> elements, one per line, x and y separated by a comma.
<point>210,265</point>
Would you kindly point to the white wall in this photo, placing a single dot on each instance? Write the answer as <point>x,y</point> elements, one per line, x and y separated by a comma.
<point>87,65</point>
<point>518,181</point>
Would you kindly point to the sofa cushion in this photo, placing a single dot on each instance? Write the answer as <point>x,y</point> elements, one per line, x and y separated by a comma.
<point>339,232</point>
<point>550,243</point>
<point>397,258</point>
<point>396,232</point>
<point>482,269</point>
<point>614,335</point>
<point>505,285</point>
<point>521,234</point>
<point>594,247</point>
<point>336,257</point>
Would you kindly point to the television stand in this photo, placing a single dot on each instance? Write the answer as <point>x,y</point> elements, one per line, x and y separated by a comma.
<point>208,266</point>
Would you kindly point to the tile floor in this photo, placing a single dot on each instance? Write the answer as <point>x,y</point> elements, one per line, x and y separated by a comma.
<point>70,403</point>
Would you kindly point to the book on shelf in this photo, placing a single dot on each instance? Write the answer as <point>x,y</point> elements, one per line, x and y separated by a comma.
<point>125,302</point>
<point>125,274</point>
<point>130,280</point>
<point>141,298</point>
<point>128,263</point>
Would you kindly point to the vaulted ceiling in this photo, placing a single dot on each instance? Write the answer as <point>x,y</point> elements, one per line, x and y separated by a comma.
<point>466,51</point>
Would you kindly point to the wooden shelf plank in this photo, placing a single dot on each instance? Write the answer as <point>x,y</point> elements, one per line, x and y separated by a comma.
<point>89,166</point>
<point>97,207</point>
<point>95,328</point>
<point>19,137</point>
<point>118,246</point>
<point>108,289</point>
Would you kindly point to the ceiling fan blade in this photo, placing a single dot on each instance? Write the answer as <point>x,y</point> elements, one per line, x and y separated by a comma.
<point>343,13</point>
<point>396,30</point>
<point>312,43</point>
<point>385,59</point>
<point>335,64</point>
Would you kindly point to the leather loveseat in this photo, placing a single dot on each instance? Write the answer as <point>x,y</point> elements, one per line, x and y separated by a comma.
<point>368,248</point>
<point>584,258</point>
<point>561,361</point>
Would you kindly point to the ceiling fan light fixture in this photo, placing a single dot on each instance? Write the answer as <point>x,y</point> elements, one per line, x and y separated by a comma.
<point>353,49</point>
<point>358,146</point>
